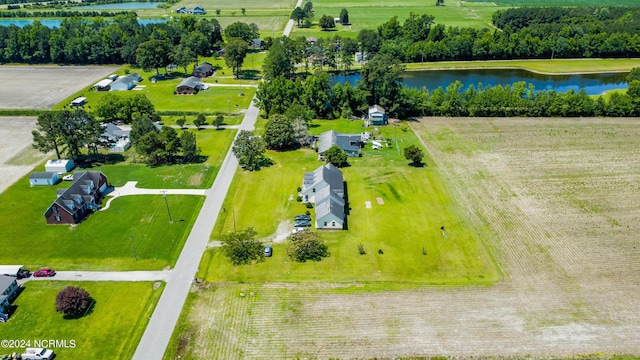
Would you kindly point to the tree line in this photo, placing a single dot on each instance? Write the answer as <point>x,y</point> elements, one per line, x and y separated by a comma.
<point>60,13</point>
<point>120,41</point>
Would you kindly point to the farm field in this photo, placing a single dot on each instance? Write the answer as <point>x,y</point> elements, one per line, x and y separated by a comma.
<point>17,156</point>
<point>556,200</point>
<point>110,331</point>
<point>545,66</point>
<point>42,87</point>
<point>370,14</point>
<point>559,2</point>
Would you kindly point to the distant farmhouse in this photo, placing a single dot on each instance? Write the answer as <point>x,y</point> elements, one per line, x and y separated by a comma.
<point>115,138</point>
<point>203,70</point>
<point>188,86</point>
<point>377,116</point>
<point>324,187</point>
<point>349,143</point>
<point>198,10</point>
<point>75,203</point>
<point>123,83</point>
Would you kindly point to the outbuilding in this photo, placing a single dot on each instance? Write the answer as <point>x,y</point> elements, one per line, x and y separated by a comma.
<point>203,70</point>
<point>78,101</point>
<point>136,77</point>
<point>189,85</point>
<point>103,85</point>
<point>43,178</point>
<point>59,165</point>
<point>123,83</point>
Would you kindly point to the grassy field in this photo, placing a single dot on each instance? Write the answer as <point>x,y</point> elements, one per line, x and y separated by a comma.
<point>110,331</point>
<point>556,200</point>
<point>370,14</point>
<point>403,190</point>
<point>556,66</point>
<point>214,145</point>
<point>103,241</point>
<point>558,2</point>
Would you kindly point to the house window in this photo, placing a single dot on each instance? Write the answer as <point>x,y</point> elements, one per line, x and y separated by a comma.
<point>54,208</point>
<point>333,223</point>
<point>57,218</point>
<point>314,189</point>
<point>325,223</point>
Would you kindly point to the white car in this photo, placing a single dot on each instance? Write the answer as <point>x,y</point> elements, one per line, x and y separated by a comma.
<point>68,177</point>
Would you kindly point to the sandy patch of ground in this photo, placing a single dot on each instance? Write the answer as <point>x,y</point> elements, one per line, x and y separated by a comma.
<point>380,201</point>
<point>42,87</point>
<point>367,204</point>
<point>17,157</point>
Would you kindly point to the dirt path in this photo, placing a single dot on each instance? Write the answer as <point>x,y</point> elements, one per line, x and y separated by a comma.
<point>17,157</point>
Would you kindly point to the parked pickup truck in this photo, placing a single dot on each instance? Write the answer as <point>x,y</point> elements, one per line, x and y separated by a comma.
<point>37,354</point>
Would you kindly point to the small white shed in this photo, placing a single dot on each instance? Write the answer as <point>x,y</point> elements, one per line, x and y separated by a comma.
<point>43,178</point>
<point>59,165</point>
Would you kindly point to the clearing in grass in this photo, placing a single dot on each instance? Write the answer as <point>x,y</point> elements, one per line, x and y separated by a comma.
<point>110,330</point>
<point>543,66</point>
<point>406,227</point>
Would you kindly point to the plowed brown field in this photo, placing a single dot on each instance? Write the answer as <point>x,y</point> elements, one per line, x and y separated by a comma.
<point>558,201</point>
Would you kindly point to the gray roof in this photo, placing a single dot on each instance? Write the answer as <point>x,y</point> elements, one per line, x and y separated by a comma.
<point>327,173</point>
<point>113,132</point>
<point>344,141</point>
<point>377,108</point>
<point>329,206</point>
<point>191,81</point>
<point>122,80</point>
<point>81,188</point>
<point>205,66</point>
<point>6,281</point>
<point>42,175</point>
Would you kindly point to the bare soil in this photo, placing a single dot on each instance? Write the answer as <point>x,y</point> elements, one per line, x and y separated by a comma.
<point>556,201</point>
<point>42,87</point>
<point>17,156</point>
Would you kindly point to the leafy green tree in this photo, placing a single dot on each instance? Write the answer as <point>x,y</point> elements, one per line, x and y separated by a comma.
<point>151,146</point>
<point>370,42</point>
<point>199,121</point>
<point>189,145</point>
<point>344,17</point>
<point>634,89</point>
<point>218,12</point>
<point>136,105</point>
<point>278,133</point>
<point>182,56</point>
<point>153,54</point>
<point>278,61</point>
<point>218,121</point>
<point>243,11</point>
<point>249,150</point>
<point>246,32</point>
<point>381,78</point>
<point>308,9</point>
<point>73,302</point>
<point>298,15</point>
<point>48,133</point>
<point>414,154</point>
<point>181,122</point>
<point>306,245</point>
<point>242,248</point>
<point>141,126</point>
<point>197,42</point>
<point>634,74</point>
<point>327,22</point>
<point>76,125</point>
<point>171,141</point>
<point>335,156</point>
<point>235,52</point>
<point>109,106</point>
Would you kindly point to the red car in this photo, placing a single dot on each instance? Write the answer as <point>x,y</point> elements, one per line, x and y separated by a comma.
<point>44,273</point>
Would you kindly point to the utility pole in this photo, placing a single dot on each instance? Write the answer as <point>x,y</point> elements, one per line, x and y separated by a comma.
<point>133,245</point>
<point>229,104</point>
<point>234,219</point>
<point>395,134</point>
<point>164,194</point>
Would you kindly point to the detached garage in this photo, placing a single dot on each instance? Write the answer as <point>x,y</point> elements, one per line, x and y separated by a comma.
<point>43,178</point>
<point>59,165</point>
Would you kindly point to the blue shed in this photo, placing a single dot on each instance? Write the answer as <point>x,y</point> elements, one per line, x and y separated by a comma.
<point>43,178</point>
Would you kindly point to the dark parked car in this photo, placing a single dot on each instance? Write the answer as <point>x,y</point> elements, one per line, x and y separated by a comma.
<point>268,251</point>
<point>302,217</point>
<point>23,273</point>
<point>44,273</point>
<point>302,223</point>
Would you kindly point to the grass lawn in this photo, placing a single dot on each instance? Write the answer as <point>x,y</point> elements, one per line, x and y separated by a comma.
<point>110,331</point>
<point>556,66</point>
<point>560,2</point>
<point>370,14</point>
<point>214,145</point>
<point>103,240</point>
<point>416,203</point>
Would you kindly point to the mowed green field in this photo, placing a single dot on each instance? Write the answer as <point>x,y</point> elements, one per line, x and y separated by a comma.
<point>545,66</point>
<point>110,331</point>
<point>556,2</point>
<point>103,240</point>
<point>407,207</point>
<point>371,13</point>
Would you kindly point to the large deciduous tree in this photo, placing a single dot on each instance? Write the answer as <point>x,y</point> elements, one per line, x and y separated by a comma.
<point>297,15</point>
<point>154,54</point>
<point>48,133</point>
<point>197,42</point>
<point>327,22</point>
<point>73,302</point>
<point>235,52</point>
<point>278,133</point>
<point>306,245</point>
<point>414,154</point>
<point>344,17</point>
<point>241,247</point>
<point>246,32</point>
<point>249,150</point>
<point>335,156</point>
<point>190,148</point>
<point>381,79</point>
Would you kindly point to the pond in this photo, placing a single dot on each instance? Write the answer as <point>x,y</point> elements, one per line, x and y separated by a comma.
<point>54,23</point>
<point>124,6</point>
<point>593,84</point>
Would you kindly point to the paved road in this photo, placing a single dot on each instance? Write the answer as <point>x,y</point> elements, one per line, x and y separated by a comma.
<point>289,27</point>
<point>158,333</point>
<point>105,276</point>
